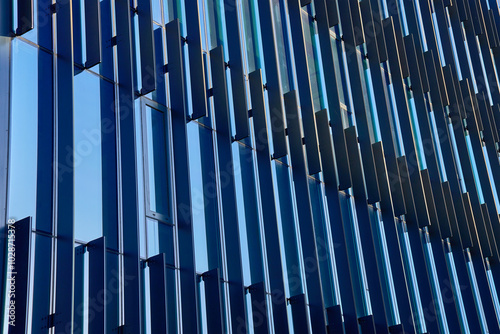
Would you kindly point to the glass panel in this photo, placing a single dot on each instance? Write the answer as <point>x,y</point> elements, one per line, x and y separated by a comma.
<point>312,64</point>
<point>160,239</point>
<point>23,131</point>
<point>157,162</point>
<point>280,46</point>
<point>87,157</point>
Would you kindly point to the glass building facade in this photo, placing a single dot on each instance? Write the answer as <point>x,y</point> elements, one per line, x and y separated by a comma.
<point>249,166</point>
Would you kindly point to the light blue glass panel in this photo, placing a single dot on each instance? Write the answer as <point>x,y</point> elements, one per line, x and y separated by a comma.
<point>474,169</point>
<point>416,135</point>
<point>250,24</point>
<point>412,278</point>
<point>310,33</point>
<point>160,238</point>
<point>280,45</point>
<point>87,157</point>
<point>157,162</point>
<point>437,139</point>
<point>23,131</point>
<point>156,9</point>
<point>477,295</point>
<point>240,206</point>
<point>455,284</point>
<point>492,181</point>
<point>397,135</point>
<point>197,199</point>
<point>434,281</point>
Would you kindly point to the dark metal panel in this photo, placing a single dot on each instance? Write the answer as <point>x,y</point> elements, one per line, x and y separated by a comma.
<point>259,308</point>
<point>158,293</point>
<point>196,63</point>
<point>6,18</point>
<point>335,323</point>
<point>213,300</point>
<point>304,88</point>
<point>127,153</point>
<point>396,329</point>
<point>332,93</point>
<point>423,278</point>
<point>337,226</point>
<point>181,179</point>
<point>393,7</point>
<point>18,274</point>
<point>490,142</point>
<point>160,94</point>
<point>77,33</point>
<point>147,46</point>
<point>41,295</point>
<point>306,224</point>
<point>79,303</point>
<point>24,16</point>
<point>366,234</point>
<point>269,214</point>
<point>65,183</point>
<point>476,17</point>
<point>414,29</point>
<point>236,70</point>
<point>393,244</point>
<point>495,111</point>
<point>93,32</point>
<point>97,283</point>
<point>367,324</point>
<point>45,144</point>
<point>463,9</point>
<point>349,35</point>
<point>299,313</point>
<point>273,85</point>
<point>332,13</point>
<point>228,193</point>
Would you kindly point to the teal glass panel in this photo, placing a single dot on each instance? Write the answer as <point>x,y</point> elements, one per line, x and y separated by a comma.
<point>280,45</point>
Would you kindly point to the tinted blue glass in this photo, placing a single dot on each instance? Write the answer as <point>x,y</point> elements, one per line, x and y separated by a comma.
<point>197,199</point>
<point>23,131</point>
<point>87,157</point>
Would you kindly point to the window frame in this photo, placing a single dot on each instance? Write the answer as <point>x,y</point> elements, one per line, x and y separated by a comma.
<point>160,217</point>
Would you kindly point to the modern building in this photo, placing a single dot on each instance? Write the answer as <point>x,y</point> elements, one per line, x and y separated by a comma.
<point>250,166</point>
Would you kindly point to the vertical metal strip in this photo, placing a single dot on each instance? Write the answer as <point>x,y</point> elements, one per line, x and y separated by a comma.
<point>228,192</point>
<point>213,300</point>
<point>79,302</point>
<point>383,108</point>
<point>305,218</point>
<point>97,285</point>
<point>196,63</point>
<point>93,32</point>
<point>304,88</point>
<point>393,243</point>
<point>128,180</point>
<point>158,293</point>
<point>267,196</point>
<point>5,50</point>
<point>273,84</point>
<point>18,273</point>
<point>423,278</point>
<point>259,308</point>
<point>65,182</point>
<point>24,16</point>
<point>188,288</point>
<point>348,276</point>
<point>236,70</point>
<point>332,93</point>
<point>372,264</point>
<point>147,46</point>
